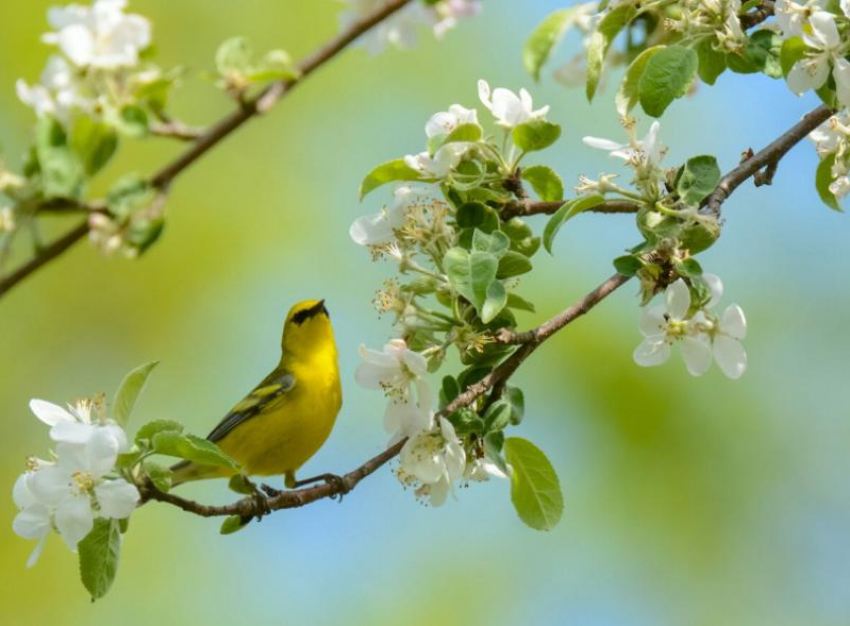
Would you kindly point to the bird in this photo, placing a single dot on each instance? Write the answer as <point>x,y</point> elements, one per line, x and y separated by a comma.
<point>289,415</point>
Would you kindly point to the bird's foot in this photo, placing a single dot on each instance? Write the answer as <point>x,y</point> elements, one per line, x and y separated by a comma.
<point>261,506</point>
<point>339,484</point>
<point>270,491</point>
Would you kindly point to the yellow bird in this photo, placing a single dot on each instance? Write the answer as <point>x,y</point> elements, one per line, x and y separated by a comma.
<point>283,422</point>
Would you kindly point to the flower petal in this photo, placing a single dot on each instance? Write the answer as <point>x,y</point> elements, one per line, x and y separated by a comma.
<point>603,144</point>
<point>74,519</point>
<point>734,323</point>
<point>117,498</point>
<point>730,356</point>
<point>696,352</point>
<point>652,321</point>
<point>33,522</point>
<point>715,288</point>
<point>651,353</point>
<point>49,413</point>
<point>678,300</point>
<point>72,432</point>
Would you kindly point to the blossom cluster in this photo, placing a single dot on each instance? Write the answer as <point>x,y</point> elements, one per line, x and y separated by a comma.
<point>400,30</point>
<point>832,142</point>
<point>79,482</point>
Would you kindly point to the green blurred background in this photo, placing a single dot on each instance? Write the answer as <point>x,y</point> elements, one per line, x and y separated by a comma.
<point>689,501</point>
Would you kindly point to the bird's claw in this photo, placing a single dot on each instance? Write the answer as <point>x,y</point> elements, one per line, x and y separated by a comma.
<point>338,482</point>
<point>270,491</point>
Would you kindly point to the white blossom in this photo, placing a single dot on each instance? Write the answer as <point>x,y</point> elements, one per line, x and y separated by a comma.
<point>33,520</point>
<point>481,470</point>
<point>449,11</point>
<point>100,35</point>
<point>441,164</point>
<point>791,16</point>
<point>77,489</point>
<point>77,424</point>
<point>646,152</point>
<point>508,108</point>
<point>833,138</point>
<point>813,70</point>
<point>432,461</point>
<point>445,122</point>
<point>702,336</point>
<point>397,370</point>
<point>58,94</point>
<point>379,228</point>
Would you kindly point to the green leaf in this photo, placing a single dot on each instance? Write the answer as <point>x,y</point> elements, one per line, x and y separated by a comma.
<point>513,264</point>
<point>600,41</point>
<point>496,299</point>
<point>793,49</point>
<point>690,268</point>
<point>627,95</point>
<point>385,173</point>
<point>240,484</point>
<point>535,135</point>
<point>62,173</point>
<point>498,416</point>
<point>535,489</point>
<point>516,302</point>
<point>698,179</point>
<point>133,121</point>
<point>628,265</point>
<point>233,57</point>
<point>275,65</point>
<point>823,179</point>
<point>150,429</point>
<point>159,474</point>
<point>712,63</point>
<point>232,524</point>
<point>545,37</point>
<point>762,54</point>
<point>130,194</point>
<point>191,448</point>
<point>465,132</point>
<point>128,392</point>
<point>668,75</point>
<point>545,182</point>
<point>449,390</point>
<point>565,213</point>
<point>99,553</point>
<point>493,444</point>
<point>470,274</point>
<point>496,243</point>
<point>94,143</point>
<point>516,399</point>
<point>475,215</point>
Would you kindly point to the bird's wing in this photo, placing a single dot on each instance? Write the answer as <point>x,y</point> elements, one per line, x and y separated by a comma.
<point>266,393</point>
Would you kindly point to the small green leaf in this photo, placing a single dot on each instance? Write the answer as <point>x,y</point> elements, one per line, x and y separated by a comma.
<point>535,135</point>
<point>233,57</point>
<point>133,121</point>
<point>465,132</point>
<point>62,173</point>
<point>449,390</point>
<point>232,524</point>
<point>498,416</point>
<point>470,274</point>
<point>698,179</point>
<point>712,63</point>
<point>628,265</point>
<point>545,37</point>
<point>496,243</point>
<point>823,179</point>
<point>690,268</point>
<point>535,489</point>
<point>516,302</point>
<point>627,95</point>
<point>513,264</point>
<point>667,76</point>
<point>99,553</point>
<point>159,474</point>
<point>94,143</point>
<point>793,49</point>
<point>565,213</point>
<point>495,301</point>
<point>239,483</point>
<point>275,65</point>
<point>600,41</point>
<point>191,448</point>
<point>545,182</point>
<point>762,54</point>
<point>516,399</point>
<point>478,216</point>
<point>128,392</point>
<point>385,173</point>
<point>147,432</point>
<point>130,194</point>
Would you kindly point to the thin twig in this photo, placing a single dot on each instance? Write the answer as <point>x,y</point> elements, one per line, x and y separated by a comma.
<point>524,208</point>
<point>767,157</point>
<point>175,130</point>
<point>219,131</point>
<point>756,17</point>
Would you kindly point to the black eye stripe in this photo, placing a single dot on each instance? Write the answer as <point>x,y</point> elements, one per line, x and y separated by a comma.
<point>302,316</point>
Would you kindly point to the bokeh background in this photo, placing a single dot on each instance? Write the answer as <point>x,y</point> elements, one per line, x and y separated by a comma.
<point>688,501</point>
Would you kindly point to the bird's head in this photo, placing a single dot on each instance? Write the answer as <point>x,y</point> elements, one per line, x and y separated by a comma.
<point>307,329</point>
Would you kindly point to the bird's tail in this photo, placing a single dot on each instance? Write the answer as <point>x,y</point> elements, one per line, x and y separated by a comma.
<point>186,471</point>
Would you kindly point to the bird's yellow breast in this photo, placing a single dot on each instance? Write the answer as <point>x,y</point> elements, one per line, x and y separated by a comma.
<point>283,437</point>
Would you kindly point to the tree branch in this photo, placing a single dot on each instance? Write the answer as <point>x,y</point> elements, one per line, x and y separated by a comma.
<point>756,17</point>
<point>208,139</point>
<point>524,208</point>
<point>494,382</point>
<point>769,158</point>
